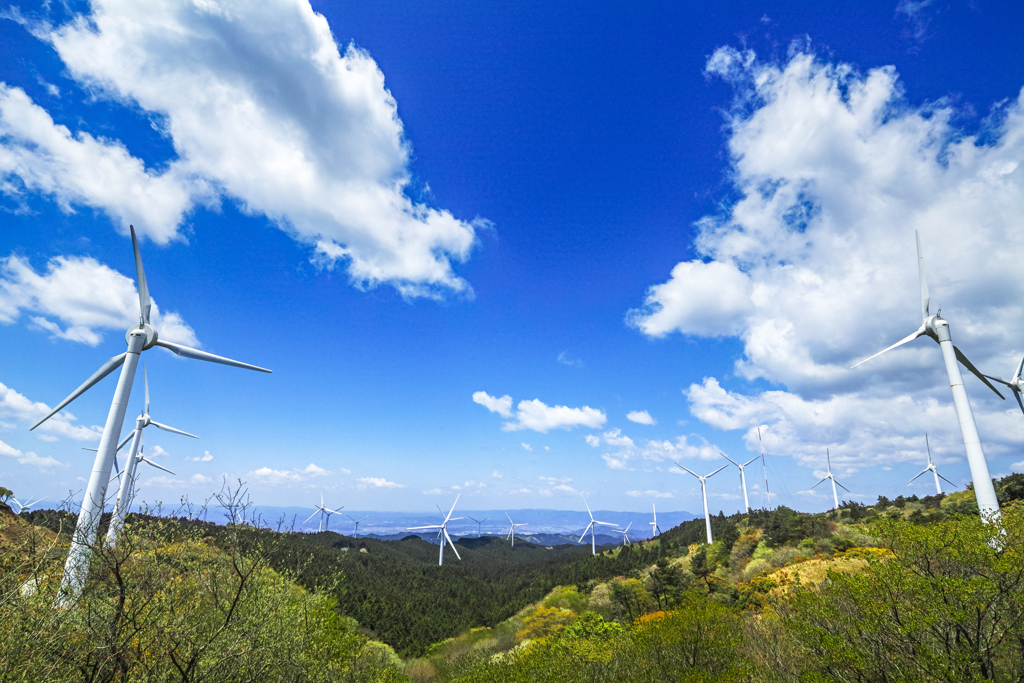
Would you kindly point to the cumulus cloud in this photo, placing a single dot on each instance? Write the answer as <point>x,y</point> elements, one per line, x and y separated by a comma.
<point>833,170</point>
<point>648,494</point>
<point>299,131</point>
<point>431,492</point>
<point>527,446</point>
<point>653,451</point>
<point>594,441</point>
<point>540,417</point>
<point>565,359</point>
<point>502,406</point>
<point>30,458</point>
<point>496,474</point>
<point>200,479</point>
<point>76,298</point>
<point>314,470</point>
<point>164,480</point>
<point>266,475</point>
<point>17,407</point>
<point>641,417</point>
<point>205,457</point>
<point>378,483</point>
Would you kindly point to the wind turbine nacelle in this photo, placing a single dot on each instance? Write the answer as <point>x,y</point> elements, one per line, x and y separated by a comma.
<point>937,327</point>
<point>142,328</point>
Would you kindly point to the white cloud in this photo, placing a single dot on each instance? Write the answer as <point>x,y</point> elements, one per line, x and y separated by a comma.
<point>379,483</point>
<point>552,480</point>
<point>85,296</point>
<point>313,470</point>
<point>205,457</point>
<point>200,479</point>
<point>163,480</point>
<point>654,451</point>
<point>648,494</point>
<point>30,458</point>
<point>564,488</point>
<point>594,441</point>
<point>502,406</point>
<point>527,446</point>
<point>16,406</point>
<point>157,451</point>
<point>565,359</point>
<point>267,475</point>
<point>496,474</point>
<point>834,171</point>
<point>1017,466</point>
<point>432,492</point>
<point>48,438</point>
<point>641,417</point>
<point>616,438</point>
<point>298,131</point>
<point>540,417</point>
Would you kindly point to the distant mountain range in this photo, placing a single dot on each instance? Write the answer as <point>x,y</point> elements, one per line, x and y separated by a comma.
<point>543,525</point>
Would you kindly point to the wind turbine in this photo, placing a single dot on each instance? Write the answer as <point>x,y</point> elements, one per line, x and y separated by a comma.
<point>831,476</point>
<point>512,529</point>
<point>126,490</point>
<point>704,494</point>
<point>25,506</point>
<point>356,522</point>
<point>743,477</point>
<point>443,533</point>
<point>625,534</point>
<point>931,468</point>
<point>592,528</point>
<point>139,338</point>
<point>937,328</point>
<point>655,529</point>
<point>764,467</point>
<point>479,524</point>
<point>322,511</point>
<point>1016,383</point>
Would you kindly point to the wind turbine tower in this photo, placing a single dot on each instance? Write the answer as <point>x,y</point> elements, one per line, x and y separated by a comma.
<point>835,496</point>
<point>655,529</point>
<point>325,513</point>
<point>937,328</point>
<point>356,523</point>
<point>126,491</point>
<point>443,533</point>
<point>764,467</point>
<point>512,529</point>
<point>592,527</point>
<point>743,477</point>
<point>931,468</point>
<point>479,524</point>
<point>704,494</point>
<point>139,338</point>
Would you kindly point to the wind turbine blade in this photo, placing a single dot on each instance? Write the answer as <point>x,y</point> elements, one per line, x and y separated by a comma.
<point>728,458</point>
<point>107,368</point>
<point>588,509</point>
<point>627,527</point>
<point>186,352</point>
<point>825,479</point>
<point>754,459</point>
<point>605,523</point>
<point>451,543</point>
<point>418,528</point>
<point>929,447</point>
<point>140,276</point>
<point>317,512</point>
<point>901,342</point>
<point>716,471</point>
<point>120,445</point>
<point>485,519</point>
<point>828,459</point>
<point>172,430</point>
<point>145,376</point>
<point>159,467</point>
<point>1016,395</point>
<point>918,475</point>
<point>925,298</point>
<point>585,532</point>
<point>446,519</point>
<point>509,519</point>
<point>1000,380</point>
<point>970,366</point>
<point>687,469</point>
<point>947,481</point>
<point>842,487</point>
<point>116,468</point>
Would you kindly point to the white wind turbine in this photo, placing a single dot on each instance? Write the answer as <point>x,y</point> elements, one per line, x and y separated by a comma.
<point>764,467</point>
<point>625,534</point>
<point>139,338</point>
<point>479,524</point>
<point>356,523</point>
<point>323,511</point>
<point>126,491</point>
<point>931,468</point>
<point>704,494</point>
<point>25,506</point>
<point>743,477</point>
<point>655,529</point>
<point>1016,383</point>
<point>831,476</point>
<point>592,528</point>
<point>937,328</point>
<point>443,533</point>
<point>512,529</point>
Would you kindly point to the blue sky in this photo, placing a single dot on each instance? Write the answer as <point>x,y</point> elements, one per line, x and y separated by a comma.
<point>410,211</point>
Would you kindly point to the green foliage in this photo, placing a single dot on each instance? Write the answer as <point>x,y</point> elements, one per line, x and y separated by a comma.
<point>5,494</point>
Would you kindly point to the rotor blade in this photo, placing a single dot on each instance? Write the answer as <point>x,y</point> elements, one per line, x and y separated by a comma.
<point>716,471</point>
<point>970,366</point>
<point>159,467</point>
<point>825,479</point>
<point>1016,394</point>
<point>451,543</point>
<point>1000,380</point>
<point>485,519</point>
<point>107,368</point>
<point>172,430</point>
<point>448,518</point>
<point>925,299</point>
<point>728,458</point>
<point>841,486</point>
<point>429,526</point>
<point>929,447</point>
<point>754,459</point>
<point>585,532</point>
<point>688,470</point>
<point>144,301</point>
<point>116,468</point>
<point>947,481</point>
<point>36,501</point>
<point>628,525</point>
<point>588,508</point>
<point>509,519</point>
<point>121,445</point>
<point>605,523</point>
<point>315,513</point>
<point>918,475</point>
<point>901,342</point>
<point>145,376</point>
<point>186,352</point>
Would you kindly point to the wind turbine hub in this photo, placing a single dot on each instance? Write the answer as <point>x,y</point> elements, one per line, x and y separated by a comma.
<point>142,329</point>
<point>936,327</point>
